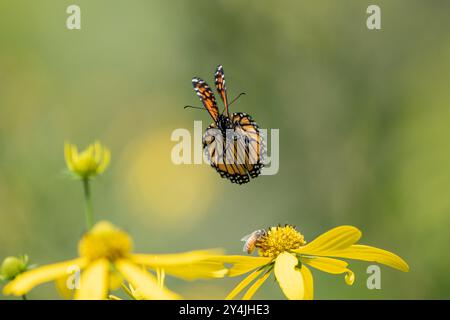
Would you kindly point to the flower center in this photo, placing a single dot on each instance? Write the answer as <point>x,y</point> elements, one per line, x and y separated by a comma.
<point>279,239</point>
<point>86,162</point>
<point>104,240</point>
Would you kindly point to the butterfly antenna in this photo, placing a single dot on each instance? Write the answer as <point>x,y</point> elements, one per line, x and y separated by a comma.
<point>240,94</point>
<point>185,107</point>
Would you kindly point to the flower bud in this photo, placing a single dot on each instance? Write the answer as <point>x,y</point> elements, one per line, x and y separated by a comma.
<point>88,163</point>
<point>12,266</point>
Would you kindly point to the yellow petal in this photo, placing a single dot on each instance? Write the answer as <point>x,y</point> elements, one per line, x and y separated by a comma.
<point>289,277</point>
<point>197,270</point>
<point>67,284</point>
<point>94,281</point>
<point>350,277</point>
<point>145,283</point>
<point>329,265</point>
<point>63,289</point>
<point>75,159</point>
<point>28,280</point>
<point>242,264</point>
<point>368,253</point>
<point>308,283</point>
<point>189,265</point>
<point>89,151</point>
<point>164,260</point>
<point>160,277</point>
<point>335,239</point>
<point>97,152</point>
<point>130,291</point>
<point>105,160</point>
<point>87,160</point>
<point>74,153</point>
<point>115,280</point>
<point>68,155</point>
<point>243,284</point>
<point>255,286</point>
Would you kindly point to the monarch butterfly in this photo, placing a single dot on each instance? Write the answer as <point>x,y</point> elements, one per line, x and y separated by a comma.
<point>232,144</point>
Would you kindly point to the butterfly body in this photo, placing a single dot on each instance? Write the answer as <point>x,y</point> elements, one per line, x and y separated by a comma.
<point>223,123</point>
<point>232,143</point>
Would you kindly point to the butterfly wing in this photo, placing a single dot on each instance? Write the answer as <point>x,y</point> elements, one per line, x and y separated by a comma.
<point>239,158</point>
<point>251,148</point>
<point>206,96</point>
<point>222,157</point>
<point>220,85</point>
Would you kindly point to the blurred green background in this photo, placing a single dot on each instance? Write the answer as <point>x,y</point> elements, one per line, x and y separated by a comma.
<point>363,117</point>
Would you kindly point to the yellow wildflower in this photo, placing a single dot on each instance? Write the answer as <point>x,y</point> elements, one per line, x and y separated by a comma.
<point>85,165</point>
<point>106,250</point>
<point>90,162</point>
<point>284,252</point>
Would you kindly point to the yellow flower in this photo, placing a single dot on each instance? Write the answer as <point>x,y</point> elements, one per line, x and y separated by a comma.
<point>105,251</point>
<point>90,162</point>
<point>284,252</point>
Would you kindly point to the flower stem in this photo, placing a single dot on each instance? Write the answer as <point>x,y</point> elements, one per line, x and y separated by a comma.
<point>88,204</point>
<point>24,297</point>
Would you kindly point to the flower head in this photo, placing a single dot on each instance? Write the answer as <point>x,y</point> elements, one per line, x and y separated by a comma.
<point>284,253</point>
<point>105,241</point>
<point>89,162</point>
<point>279,239</point>
<point>106,254</point>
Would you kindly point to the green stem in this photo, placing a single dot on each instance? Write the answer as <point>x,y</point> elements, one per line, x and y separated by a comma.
<point>88,204</point>
<point>24,297</point>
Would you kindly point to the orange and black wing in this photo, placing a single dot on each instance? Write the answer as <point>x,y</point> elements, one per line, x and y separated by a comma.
<point>222,156</point>
<point>239,157</point>
<point>250,144</point>
<point>206,96</point>
<point>220,86</point>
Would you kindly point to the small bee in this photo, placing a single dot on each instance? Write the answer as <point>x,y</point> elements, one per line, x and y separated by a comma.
<point>251,239</point>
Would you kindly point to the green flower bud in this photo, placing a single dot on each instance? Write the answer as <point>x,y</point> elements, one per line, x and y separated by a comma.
<point>13,266</point>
